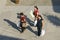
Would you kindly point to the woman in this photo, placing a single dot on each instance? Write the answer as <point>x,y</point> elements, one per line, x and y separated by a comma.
<point>22,21</point>
<point>35,13</point>
<point>39,24</point>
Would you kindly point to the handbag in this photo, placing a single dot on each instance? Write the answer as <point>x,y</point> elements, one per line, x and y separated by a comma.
<point>42,32</point>
<point>31,13</point>
<point>35,22</point>
<point>24,24</point>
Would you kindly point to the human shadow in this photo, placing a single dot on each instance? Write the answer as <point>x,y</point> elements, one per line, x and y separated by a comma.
<point>30,29</point>
<point>18,15</point>
<point>12,24</point>
<point>30,22</point>
<point>2,37</point>
<point>54,20</point>
<point>56,5</point>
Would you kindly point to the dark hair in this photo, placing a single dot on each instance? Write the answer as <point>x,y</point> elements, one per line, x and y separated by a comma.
<point>40,16</point>
<point>21,13</point>
<point>36,7</point>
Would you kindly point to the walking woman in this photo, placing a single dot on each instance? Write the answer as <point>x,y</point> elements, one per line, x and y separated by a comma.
<point>22,21</point>
<point>39,24</point>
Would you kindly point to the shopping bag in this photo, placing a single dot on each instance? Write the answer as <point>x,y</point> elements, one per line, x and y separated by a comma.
<point>42,32</point>
<point>18,24</point>
<point>35,22</point>
<point>31,13</point>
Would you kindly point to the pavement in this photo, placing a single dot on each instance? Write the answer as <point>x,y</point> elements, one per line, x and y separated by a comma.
<point>30,2</point>
<point>9,20</point>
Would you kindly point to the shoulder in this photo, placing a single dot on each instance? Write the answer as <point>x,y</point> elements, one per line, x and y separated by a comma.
<point>42,16</point>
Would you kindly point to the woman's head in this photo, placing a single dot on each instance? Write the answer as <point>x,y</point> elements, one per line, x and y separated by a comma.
<point>21,13</point>
<point>35,7</point>
<point>39,17</point>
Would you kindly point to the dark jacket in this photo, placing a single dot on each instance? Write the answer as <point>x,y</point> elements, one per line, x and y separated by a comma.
<point>39,23</point>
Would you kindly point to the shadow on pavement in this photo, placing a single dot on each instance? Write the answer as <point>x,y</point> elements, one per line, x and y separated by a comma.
<point>2,37</point>
<point>18,15</point>
<point>12,24</point>
<point>30,22</point>
<point>56,5</point>
<point>54,20</point>
<point>30,29</point>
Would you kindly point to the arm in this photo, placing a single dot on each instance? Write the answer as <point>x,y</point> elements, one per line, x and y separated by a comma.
<point>42,23</point>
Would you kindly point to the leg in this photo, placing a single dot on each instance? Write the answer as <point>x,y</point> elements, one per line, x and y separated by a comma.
<point>39,31</point>
<point>21,27</point>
